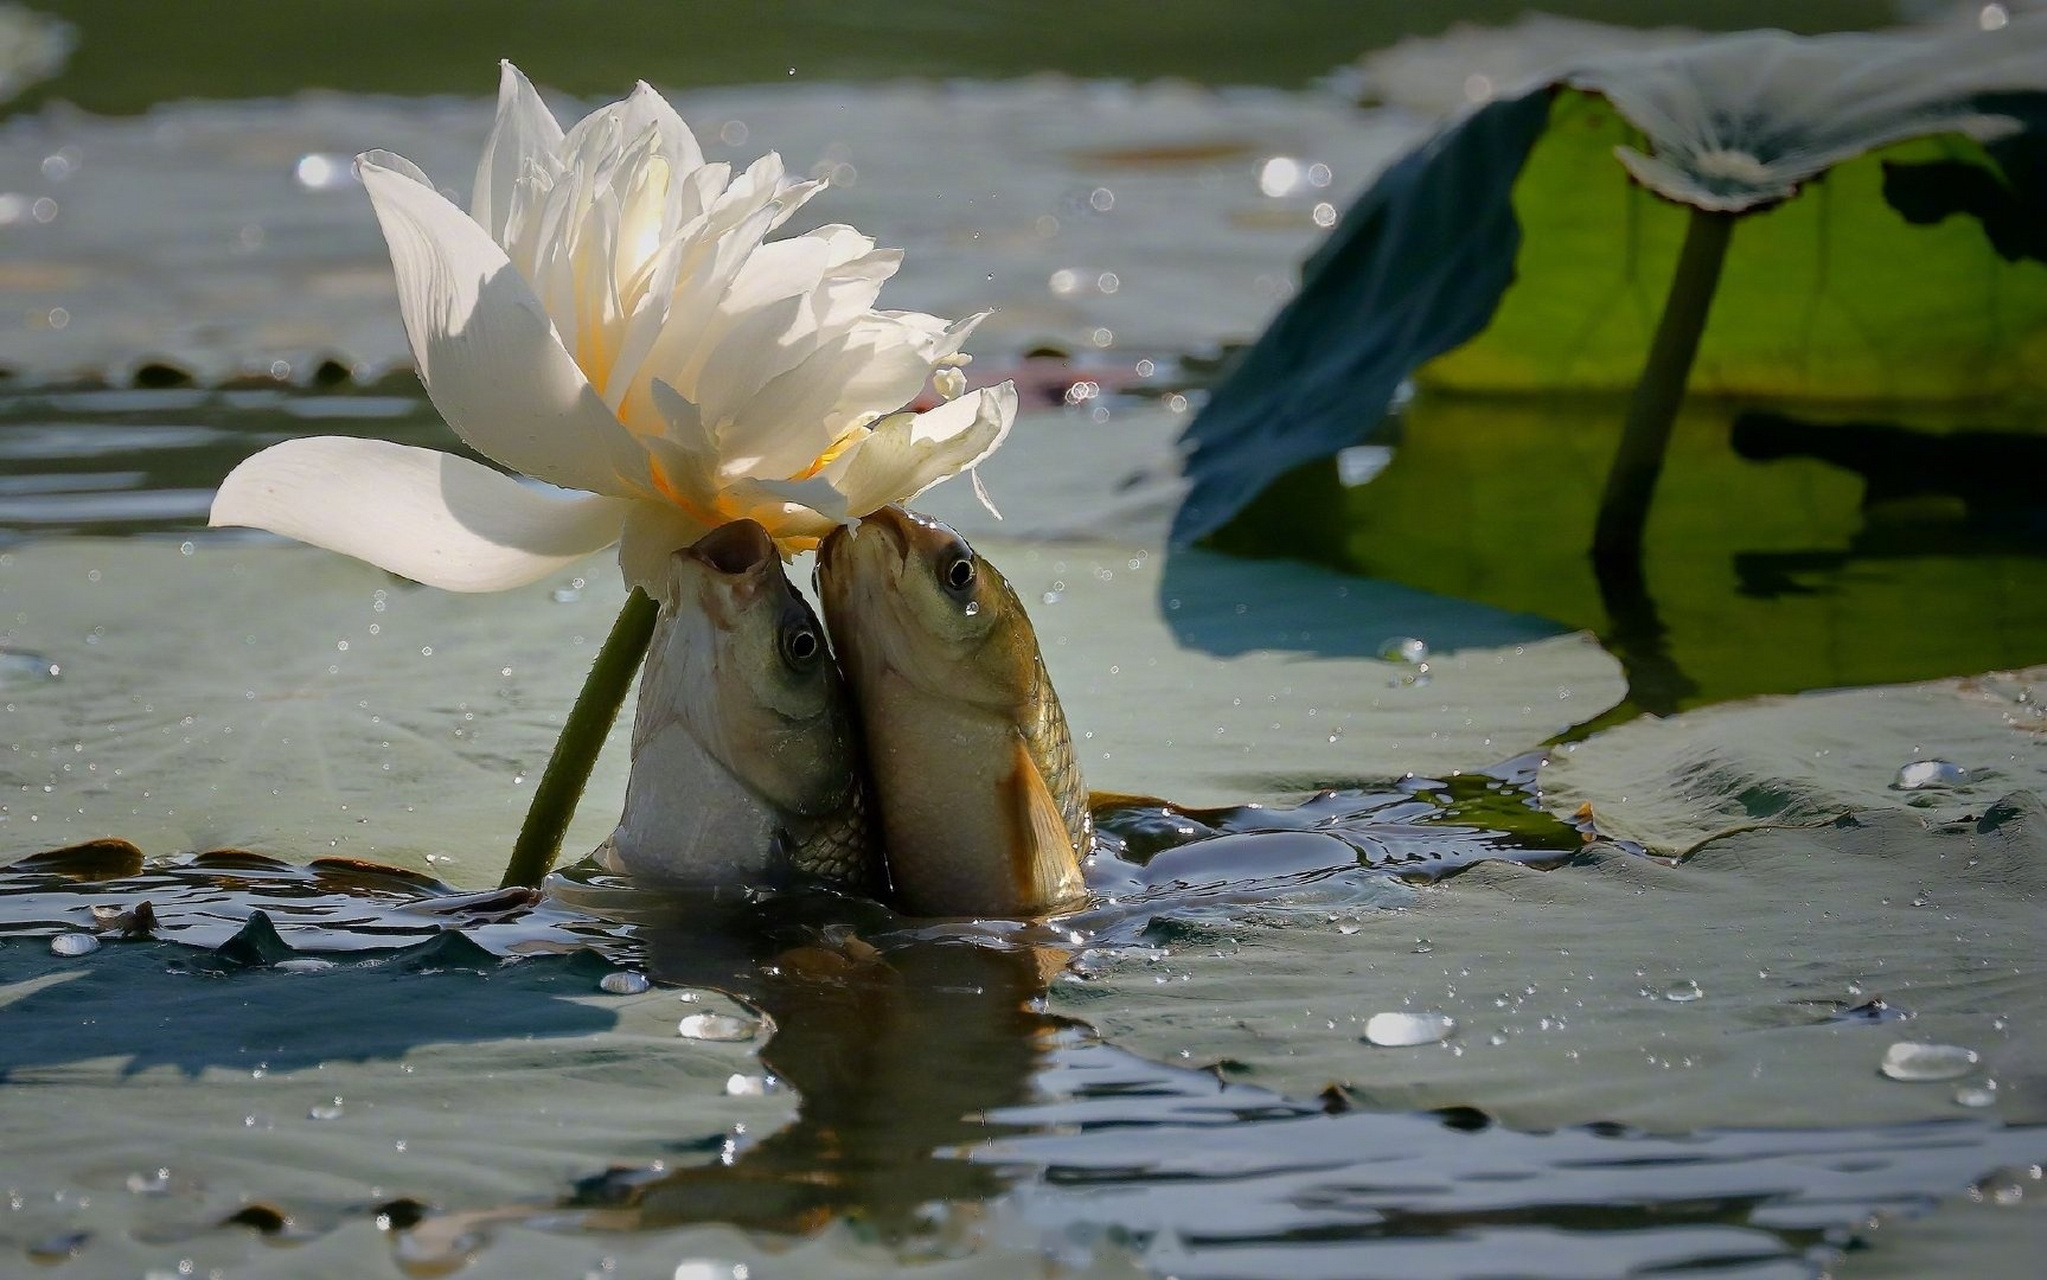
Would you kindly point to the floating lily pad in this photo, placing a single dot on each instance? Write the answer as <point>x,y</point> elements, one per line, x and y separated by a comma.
<point>1557,981</point>
<point>286,700</point>
<point>1674,783</point>
<point>273,266</point>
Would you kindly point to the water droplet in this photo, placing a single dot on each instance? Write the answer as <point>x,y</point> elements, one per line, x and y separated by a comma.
<point>1101,199</point>
<point>2002,1191</point>
<point>739,1086</point>
<point>1683,993</point>
<point>1977,1095</point>
<point>152,1183</point>
<point>1908,1060</point>
<point>325,1110</point>
<point>973,608</point>
<point>74,944</point>
<point>625,982</point>
<point>1398,1030</point>
<point>1279,175</point>
<point>59,1248</point>
<point>19,666</point>
<point>717,1026</point>
<point>1051,597</point>
<point>317,172</point>
<point>1874,1009</point>
<point>1930,775</point>
<point>1422,946</point>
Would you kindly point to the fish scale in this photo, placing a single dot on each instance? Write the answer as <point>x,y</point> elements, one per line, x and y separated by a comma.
<point>1051,747</point>
<point>748,766</point>
<point>978,790</point>
<point>840,848</point>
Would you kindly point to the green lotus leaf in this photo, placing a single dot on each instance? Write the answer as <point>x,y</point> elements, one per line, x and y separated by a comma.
<point>1887,188</point>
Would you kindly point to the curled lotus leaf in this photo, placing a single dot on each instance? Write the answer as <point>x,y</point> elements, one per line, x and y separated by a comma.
<point>1527,246</point>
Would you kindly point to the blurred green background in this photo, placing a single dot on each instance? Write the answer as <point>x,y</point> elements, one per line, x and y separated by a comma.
<point>131,55</point>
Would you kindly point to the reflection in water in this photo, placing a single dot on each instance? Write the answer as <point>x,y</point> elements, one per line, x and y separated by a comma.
<point>897,1057</point>
<point>1991,473</point>
<point>1780,555</point>
<point>937,1093</point>
<point>1635,635</point>
<point>147,458</point>
<point>905,1039</point>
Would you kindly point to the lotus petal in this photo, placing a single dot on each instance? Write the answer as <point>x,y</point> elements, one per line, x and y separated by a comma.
<point>525,133</point>
<point>486,348</point>
<point>653,532</point>
<point>431,516</point>
<point>613,318</point>
<point>906,454</point>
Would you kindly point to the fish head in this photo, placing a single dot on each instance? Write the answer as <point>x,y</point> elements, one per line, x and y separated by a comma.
<point>742,660</point>
<point>982,804</point>
<point>904,592</point>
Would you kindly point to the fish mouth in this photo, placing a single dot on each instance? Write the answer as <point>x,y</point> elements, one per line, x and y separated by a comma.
<point>888,525</point>
<point>736,549</point>
<point>743,564</point>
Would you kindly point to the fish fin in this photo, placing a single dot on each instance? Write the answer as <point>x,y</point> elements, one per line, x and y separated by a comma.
<point>1042,857</point>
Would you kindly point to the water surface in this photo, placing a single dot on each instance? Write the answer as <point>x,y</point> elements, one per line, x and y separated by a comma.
<point>1663,964</point>
<point>950,1099</point>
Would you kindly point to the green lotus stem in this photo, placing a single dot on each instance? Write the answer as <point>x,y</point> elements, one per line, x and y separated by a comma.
<point>1624,506</point>
<point>582,737</point>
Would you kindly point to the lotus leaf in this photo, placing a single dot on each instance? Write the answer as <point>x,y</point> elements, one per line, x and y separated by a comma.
<point>1511,253</point>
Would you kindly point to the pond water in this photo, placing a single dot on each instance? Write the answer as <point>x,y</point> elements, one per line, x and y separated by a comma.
<point>1437,958</point>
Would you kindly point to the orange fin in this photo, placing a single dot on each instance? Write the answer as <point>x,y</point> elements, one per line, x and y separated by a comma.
<point>1042,856</point>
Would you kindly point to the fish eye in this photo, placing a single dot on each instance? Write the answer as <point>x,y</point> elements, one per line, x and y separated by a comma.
<point>801,647</point>
<point>956,569</point>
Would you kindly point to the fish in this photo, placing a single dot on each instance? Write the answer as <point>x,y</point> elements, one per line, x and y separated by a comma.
<point>983,810</point>
<point>746,758</point>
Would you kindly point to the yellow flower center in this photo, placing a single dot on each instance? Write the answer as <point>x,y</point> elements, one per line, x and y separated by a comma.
<point>846,440</point>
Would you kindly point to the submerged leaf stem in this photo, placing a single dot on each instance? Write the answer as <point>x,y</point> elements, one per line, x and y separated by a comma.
<point>1624,506</point>
<point>582,737</point>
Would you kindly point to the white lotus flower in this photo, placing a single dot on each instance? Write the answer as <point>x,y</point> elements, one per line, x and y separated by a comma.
<point>609,317</point>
